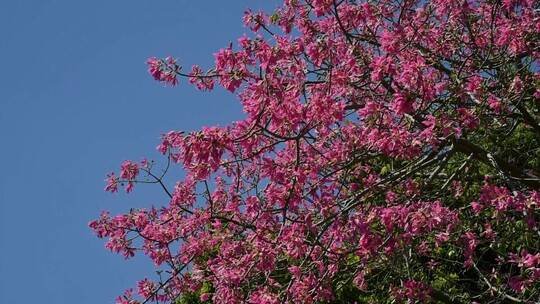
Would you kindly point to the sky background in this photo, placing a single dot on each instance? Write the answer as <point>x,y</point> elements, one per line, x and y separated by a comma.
<point>76,101</point>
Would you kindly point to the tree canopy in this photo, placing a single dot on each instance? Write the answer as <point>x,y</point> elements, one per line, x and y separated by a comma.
<point>389,153</point>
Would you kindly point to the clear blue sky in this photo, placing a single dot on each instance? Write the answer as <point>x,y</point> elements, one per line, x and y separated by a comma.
<point>76,100</point>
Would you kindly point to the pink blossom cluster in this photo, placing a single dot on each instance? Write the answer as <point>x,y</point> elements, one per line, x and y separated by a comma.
<point>164,70</point>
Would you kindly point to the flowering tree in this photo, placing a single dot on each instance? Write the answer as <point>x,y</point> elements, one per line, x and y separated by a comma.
<point>390,152</point>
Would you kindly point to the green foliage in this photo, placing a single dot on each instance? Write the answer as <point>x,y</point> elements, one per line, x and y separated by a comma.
<point>195,297</point>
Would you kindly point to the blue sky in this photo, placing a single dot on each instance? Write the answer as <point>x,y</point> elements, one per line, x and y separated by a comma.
<point>76,101</point>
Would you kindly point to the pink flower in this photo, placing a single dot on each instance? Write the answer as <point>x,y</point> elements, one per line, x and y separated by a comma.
<point>205,297</point>
<point>494,103</point>
<point>525,259</point>
<point>154,67</point>
<point>164,70</point>
<point>530,260</point>
<point>517,85</point>
<point>401,105</point>
<point>255,20</point>
<point>537,95</point>
<point>359,281</point>
<point>129,170</point>
<point>112,183</point>
<point>516,283</point>
<point>203,82</point>
<point>471,242</point>
<point>477,207</point>
<point>474,84</point>
<point>414,291</point>
<point>146,288</point>
<point>391,197</point>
